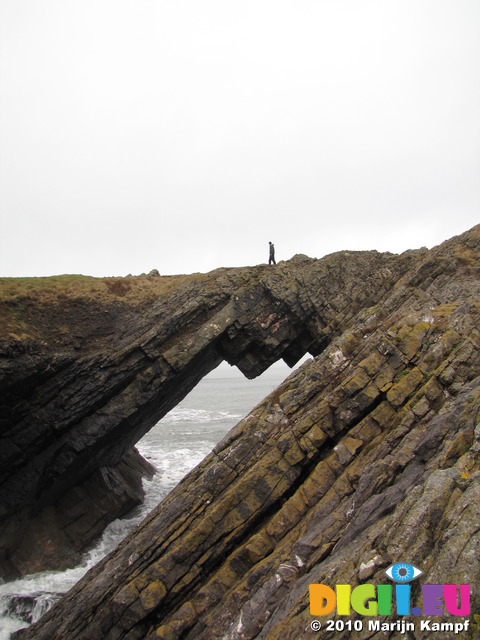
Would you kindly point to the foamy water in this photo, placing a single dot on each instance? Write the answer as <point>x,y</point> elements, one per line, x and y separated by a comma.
<point>174,446</point>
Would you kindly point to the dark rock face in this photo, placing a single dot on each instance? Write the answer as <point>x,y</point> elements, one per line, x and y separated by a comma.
<point>55,535</point>
<point>29,608</point>
<point>365,456</point>
<point>66,413</point>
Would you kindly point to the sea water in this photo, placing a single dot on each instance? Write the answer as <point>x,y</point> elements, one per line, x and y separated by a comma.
<point>174,446</point>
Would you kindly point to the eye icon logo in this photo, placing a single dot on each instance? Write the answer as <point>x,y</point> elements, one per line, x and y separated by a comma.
<point>378,600</point>
<point>402,572</point>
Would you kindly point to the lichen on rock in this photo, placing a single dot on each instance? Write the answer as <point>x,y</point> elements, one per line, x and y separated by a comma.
<point>366,455</point>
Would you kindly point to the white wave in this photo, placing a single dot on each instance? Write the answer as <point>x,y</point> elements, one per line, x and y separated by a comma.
<point>202,416</point>
<point>8,624</point>
<point>179,442</point>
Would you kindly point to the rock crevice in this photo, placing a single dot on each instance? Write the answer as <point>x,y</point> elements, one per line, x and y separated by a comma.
<point>366,455</point>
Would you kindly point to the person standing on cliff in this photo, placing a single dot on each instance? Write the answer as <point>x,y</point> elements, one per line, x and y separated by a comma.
<point>271,256</point>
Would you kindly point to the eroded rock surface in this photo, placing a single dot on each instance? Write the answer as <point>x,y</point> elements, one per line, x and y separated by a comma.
<point>75,400</point>
<point>365,456</point>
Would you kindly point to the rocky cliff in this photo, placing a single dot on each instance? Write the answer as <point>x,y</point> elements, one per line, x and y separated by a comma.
<point>365,456</point>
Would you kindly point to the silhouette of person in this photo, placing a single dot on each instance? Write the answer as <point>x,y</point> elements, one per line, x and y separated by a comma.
<point>271,256</point>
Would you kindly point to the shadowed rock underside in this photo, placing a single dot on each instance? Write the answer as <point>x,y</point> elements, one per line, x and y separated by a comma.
<point>365,456</point>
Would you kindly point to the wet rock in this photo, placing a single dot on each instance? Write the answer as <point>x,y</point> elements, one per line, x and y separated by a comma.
<point>366,455</point>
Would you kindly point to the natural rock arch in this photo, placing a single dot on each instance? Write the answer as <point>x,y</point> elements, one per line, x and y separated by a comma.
<point>365,456</point>
<point>70,417</point>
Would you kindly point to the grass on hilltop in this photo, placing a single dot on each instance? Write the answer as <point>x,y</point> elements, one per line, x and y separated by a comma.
<point>22,300</point>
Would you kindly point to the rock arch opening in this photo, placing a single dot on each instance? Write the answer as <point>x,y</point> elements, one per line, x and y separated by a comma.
<point>185,435</point>
<point>73,412</point>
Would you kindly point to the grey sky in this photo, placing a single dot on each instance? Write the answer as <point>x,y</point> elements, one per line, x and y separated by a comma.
<point>183,135</point>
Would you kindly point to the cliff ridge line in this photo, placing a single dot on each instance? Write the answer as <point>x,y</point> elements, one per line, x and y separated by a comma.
<point>366,455</point>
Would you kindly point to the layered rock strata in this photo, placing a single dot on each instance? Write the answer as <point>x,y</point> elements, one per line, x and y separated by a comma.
<point>365,456</point>
<point>98,375</point>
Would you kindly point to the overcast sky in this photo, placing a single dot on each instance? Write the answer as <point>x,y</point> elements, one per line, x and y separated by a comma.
<point>183,135</point>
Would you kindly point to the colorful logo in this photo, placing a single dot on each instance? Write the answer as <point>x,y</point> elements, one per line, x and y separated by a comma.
<point>377,600</point>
